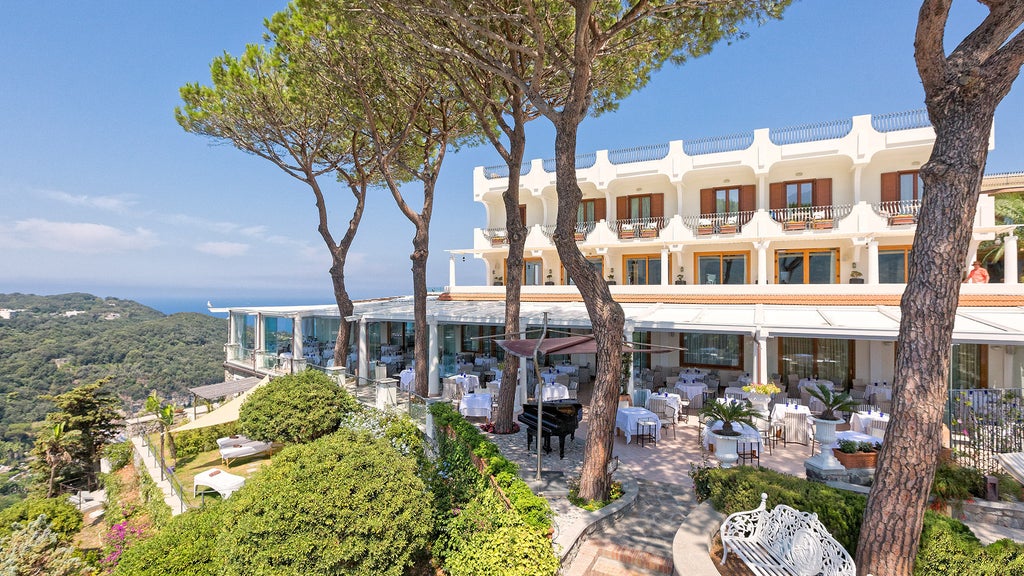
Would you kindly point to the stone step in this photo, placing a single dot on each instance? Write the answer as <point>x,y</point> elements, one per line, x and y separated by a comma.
<point>612,558</point>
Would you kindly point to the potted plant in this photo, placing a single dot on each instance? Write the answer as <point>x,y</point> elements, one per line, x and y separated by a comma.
<point>550,280</point>
<point>856,277</point>
<point>611,276</point>
<point>827,420</point>
<point>853,454</point>
<point>679,277</point>
<point>761,394</point>
<point>730,412</point>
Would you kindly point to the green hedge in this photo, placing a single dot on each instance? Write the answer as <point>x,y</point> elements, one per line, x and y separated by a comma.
<point>118,454</point>
<point>477,535</point>
<point>191,443</point>
<point>187,546</point>
<point>64,518</point>
<point>296,408</point>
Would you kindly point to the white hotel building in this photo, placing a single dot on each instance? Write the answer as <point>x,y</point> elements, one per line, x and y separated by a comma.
<point>775,251</point>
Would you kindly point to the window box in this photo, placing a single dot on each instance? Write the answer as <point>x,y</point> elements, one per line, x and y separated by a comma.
<point>823,224</point>
<point>649,233</point>
<point>727,229</point>
<point>625,234</point>
<point>793,225</point>
<point>579,236</point>
<point>901,219</point>
<point>498,240</point>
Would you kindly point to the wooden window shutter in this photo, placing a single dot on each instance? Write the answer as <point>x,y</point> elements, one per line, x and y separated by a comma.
<point>777,195</point>
<point>600,209</point>
<point>622,208</point>
<point>522,214</point>
<point>657,205</point>
<point>822,194</point>
<point>891,187</point>
<point>748,198</point>
<point>707,201</point>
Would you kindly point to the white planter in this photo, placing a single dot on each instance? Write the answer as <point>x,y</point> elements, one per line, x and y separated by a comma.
<point>825,434</point>
<point>759,402</point>
<point>725,449</point>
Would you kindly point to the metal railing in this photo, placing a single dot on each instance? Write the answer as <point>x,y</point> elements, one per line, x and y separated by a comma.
<point>718,222</point>
<point>638,227</point>
<point>583,161</point>
<point>501,171</point>
<point>906,120</point>
<point>496,236</point>
<point>638,154</point>
<point>166,473</point>
<point>810,217</point>
<point>983,423</point>
<point>583,229</point>
<point>715,144</point>
<point>810,132</point>
<point>899,211</point>
<point>1004,179</point>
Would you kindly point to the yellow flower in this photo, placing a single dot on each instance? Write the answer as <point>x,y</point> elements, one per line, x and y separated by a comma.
<point>766,389</point>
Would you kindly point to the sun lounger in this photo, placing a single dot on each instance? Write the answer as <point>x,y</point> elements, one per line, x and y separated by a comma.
<point>231,440</point>
<point>223,483</point>
<point>1014,464</point>
<point>243,449</point>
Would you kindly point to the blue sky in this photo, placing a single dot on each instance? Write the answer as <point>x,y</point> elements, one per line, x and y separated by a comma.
<point>102,192</point>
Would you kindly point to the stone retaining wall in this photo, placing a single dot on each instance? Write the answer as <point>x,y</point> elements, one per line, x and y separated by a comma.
<point>1006,514</point>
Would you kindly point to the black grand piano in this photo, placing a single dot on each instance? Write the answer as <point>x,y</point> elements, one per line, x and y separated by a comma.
<point>561,418</point>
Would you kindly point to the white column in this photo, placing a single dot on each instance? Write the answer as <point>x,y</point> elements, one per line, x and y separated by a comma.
<point>1010,259</point>
<point>857,171</point>
<point>872,261</point>
<point>261,339</point>
<point>297,349</point>
<point>762,192</point>
<point>762,261</point>
<point>628,335</point>
<point>611,212</point>
<point>233,328</point>
<point>363,362</point>
<point>664,267</point>
<point>761,357</point>
<point>433,359</point>
<point>1008,375</point>
<point>679,198</point>
<point>451,269</point>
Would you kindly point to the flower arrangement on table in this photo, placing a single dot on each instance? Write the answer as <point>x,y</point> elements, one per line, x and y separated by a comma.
<point>766,389</point>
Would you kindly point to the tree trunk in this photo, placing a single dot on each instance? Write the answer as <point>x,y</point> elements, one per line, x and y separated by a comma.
<point>606,318</point>
<point>345,308</point>
<point>170,445</point>
<point>909,455</point>
<point>513,287</point>
<point>53,478</point>
<point>419,290</point>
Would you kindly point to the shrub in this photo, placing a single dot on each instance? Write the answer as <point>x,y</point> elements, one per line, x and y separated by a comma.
<point>740,488</point>
<point>954,482</point>
<point>295,408</point>
<point>64,519</point>
<point>949,547</point>
<point>185,547</point>
<point>397,429</point>
<point>118,454</point>
<point>344,504</point>
<point>191,443</point>
<point>33,548</point>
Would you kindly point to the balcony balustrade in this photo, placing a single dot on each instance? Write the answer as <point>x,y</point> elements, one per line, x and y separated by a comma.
<point>583,161</point>
<point>497,236</point>
<point>810,132</point>
<point>810,217</point>
<point>583,229</point>
<point>718,222</point>
<point>906,120</point>
<point>638,154</point>
<point>899,212</point>
<point>501,171</point>
<point>716,144</point>
<point>638,227</point>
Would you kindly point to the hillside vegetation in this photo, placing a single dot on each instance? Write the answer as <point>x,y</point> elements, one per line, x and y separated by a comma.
<point>51,343</point>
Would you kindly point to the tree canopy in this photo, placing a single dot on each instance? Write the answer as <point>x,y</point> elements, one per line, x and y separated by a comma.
<point>295,408</point>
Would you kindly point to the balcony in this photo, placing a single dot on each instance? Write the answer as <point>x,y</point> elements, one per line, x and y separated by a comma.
<point>638,227</point>
<point>899,212</point>
<point>810,217</point>
<point>496,236</point>
<point>722,223</point>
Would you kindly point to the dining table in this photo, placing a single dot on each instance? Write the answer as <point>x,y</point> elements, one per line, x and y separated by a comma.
<point>861,421</point>
<point>406,378</point>
<point>881,392</point>
<point>468,382</point>
<point>689,378</point>
<point>815,381</point>
<point>672,399</point>
<point>566,369</point>
<point>748,434</point>
<point>626,419</point>
<point>476,405</point>
<point>549,377</point>
<point>554,392</point>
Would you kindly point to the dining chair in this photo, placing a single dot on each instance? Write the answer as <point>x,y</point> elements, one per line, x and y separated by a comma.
<point>665,413</point>
<point>877,428</point>
<point>748,453</point>
<point>795,428</point>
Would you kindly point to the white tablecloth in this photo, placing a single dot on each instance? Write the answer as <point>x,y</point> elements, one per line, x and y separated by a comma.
<point>779,418</point>
<point>747,435</point>
<point>861,421</point>
<point>391,358</point>
<point>810,382</point>
<point>554,392</point>
<point>744,379</point>
<point>468,382</point>
<point>406,378</point>
<point>737,391</point>
<point>549,377</point>
<point>488,361</point>
<point>497,374</point>
<point>478,405</point>
<point>685,378</point>
<point>880,392</point>
<point>565,369</point>
<point>670,398</point>
<point>626,419</point>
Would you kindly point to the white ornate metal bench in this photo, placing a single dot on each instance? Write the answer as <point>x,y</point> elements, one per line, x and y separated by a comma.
<point>784,541</point>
